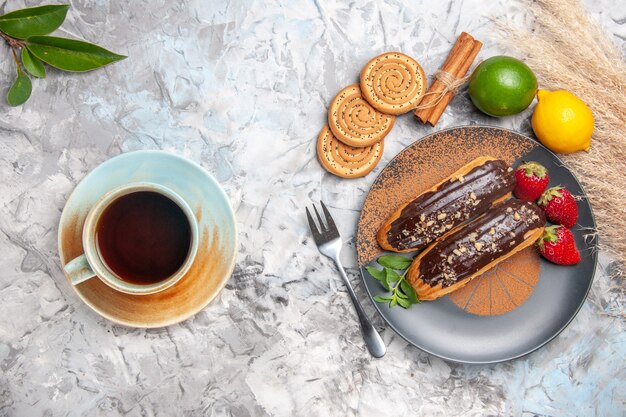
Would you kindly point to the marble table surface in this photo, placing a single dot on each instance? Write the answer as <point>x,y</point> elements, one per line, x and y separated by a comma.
<point>241,87</point>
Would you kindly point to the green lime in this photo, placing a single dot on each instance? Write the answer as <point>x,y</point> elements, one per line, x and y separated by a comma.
<point>502,86</point>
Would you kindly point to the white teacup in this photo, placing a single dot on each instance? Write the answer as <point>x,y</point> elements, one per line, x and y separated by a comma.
<point>91,264</point>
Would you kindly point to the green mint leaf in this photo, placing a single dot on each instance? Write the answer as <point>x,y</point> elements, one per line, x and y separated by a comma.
<point>20,90</point>
<point>378,274</point>
<point>385,283</point>
<point>380,299</point>
<point>69,54</point>
<point>410,292</point>
<point>24,23</point>
<point>402,295</point>
<point>404,303</point>
<point>392,276</point>
<point>394,262</point>
<point>33,65</point>
<point>393,302</point>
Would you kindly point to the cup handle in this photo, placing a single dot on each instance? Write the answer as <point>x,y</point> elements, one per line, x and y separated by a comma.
<point>78,270</point>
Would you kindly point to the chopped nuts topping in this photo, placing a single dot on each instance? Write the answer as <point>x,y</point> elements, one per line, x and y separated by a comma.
<point>450,259</point>
<point>461,179</point>
<point>492,231</point>
<point>430,223</point>
<point>457,252</point>
<point>478,246</point>
<point>462,249</point>
<point>516,216</point>
<point>422,217</point>
<point>509,209</point>
<point>493,246</point>
<point>441,216</point>
<point>473,196</point>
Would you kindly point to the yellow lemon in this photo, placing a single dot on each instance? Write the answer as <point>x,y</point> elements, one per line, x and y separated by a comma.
<point>562,121</point>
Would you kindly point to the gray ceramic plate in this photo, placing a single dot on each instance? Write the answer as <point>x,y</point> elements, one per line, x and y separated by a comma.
<point>441,327</point>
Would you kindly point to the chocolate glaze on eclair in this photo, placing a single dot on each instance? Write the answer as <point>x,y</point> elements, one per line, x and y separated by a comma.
<point>457,257</point>
<point>467,193</point>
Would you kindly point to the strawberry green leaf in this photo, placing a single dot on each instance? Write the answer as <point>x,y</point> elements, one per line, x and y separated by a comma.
<point>69,54</point>
<point>380,299</point>
<point>535,168</point>
<point>24,23</point>
<point>549,194</point>
<point>20,89</point>
<point>33,65</point>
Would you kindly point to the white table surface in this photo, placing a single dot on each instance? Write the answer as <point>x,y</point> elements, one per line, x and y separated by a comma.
<point>242,87</point>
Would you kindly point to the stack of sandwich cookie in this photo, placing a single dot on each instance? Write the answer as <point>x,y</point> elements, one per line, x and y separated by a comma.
<point>361,115</point>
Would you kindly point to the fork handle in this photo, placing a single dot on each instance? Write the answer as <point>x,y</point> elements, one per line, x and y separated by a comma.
<point>372,339</point>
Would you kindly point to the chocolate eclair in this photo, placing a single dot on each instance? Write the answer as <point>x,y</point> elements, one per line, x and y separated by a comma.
<point>463,254</point>
<point>465,194</point>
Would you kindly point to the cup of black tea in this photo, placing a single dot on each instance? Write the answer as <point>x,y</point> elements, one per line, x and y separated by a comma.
<point>140,238</point>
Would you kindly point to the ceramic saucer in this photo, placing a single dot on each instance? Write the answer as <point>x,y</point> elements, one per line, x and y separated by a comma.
<point>214,262</point>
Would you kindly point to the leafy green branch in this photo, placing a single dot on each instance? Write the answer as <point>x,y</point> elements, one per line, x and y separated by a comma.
<point>25,30</point>
<point>401,292</point>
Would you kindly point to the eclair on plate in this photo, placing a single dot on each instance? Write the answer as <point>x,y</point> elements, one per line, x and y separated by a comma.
<point>465,194</point>
<point>456,258</point>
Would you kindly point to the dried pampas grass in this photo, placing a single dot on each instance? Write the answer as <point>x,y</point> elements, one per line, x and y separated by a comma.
<point>568,50</point>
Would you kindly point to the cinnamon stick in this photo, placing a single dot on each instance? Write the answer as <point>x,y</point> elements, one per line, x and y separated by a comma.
<point>441,106</point>
<point>436,85</point>
<point>457,63</point>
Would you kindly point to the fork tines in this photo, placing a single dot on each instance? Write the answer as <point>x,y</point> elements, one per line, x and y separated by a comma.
<point>324,232</point>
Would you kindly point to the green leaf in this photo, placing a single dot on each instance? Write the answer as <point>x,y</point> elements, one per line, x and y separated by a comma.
<point>394,261</point>
<point>379,274</point>
<point>391,275</point>
<point>404,303</point>
<point>410,292</point>
<point>33,65</point>
<point>69,54</point>
<point>385,283</point>
<point>20,90</point>
<point>380,299</point>
<point>24,23</point>
<point>394,301</point>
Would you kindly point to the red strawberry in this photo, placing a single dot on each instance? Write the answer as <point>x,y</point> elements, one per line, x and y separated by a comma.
<point>557,245</point>
<point>560,206</point>
<point>532,180</point>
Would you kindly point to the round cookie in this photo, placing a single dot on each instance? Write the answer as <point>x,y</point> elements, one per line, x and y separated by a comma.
<point>343,160</point>
<point>393,83</point>
<point>354,121</point>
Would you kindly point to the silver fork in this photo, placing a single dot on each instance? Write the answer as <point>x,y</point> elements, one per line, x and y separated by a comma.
<point>329,243</point>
